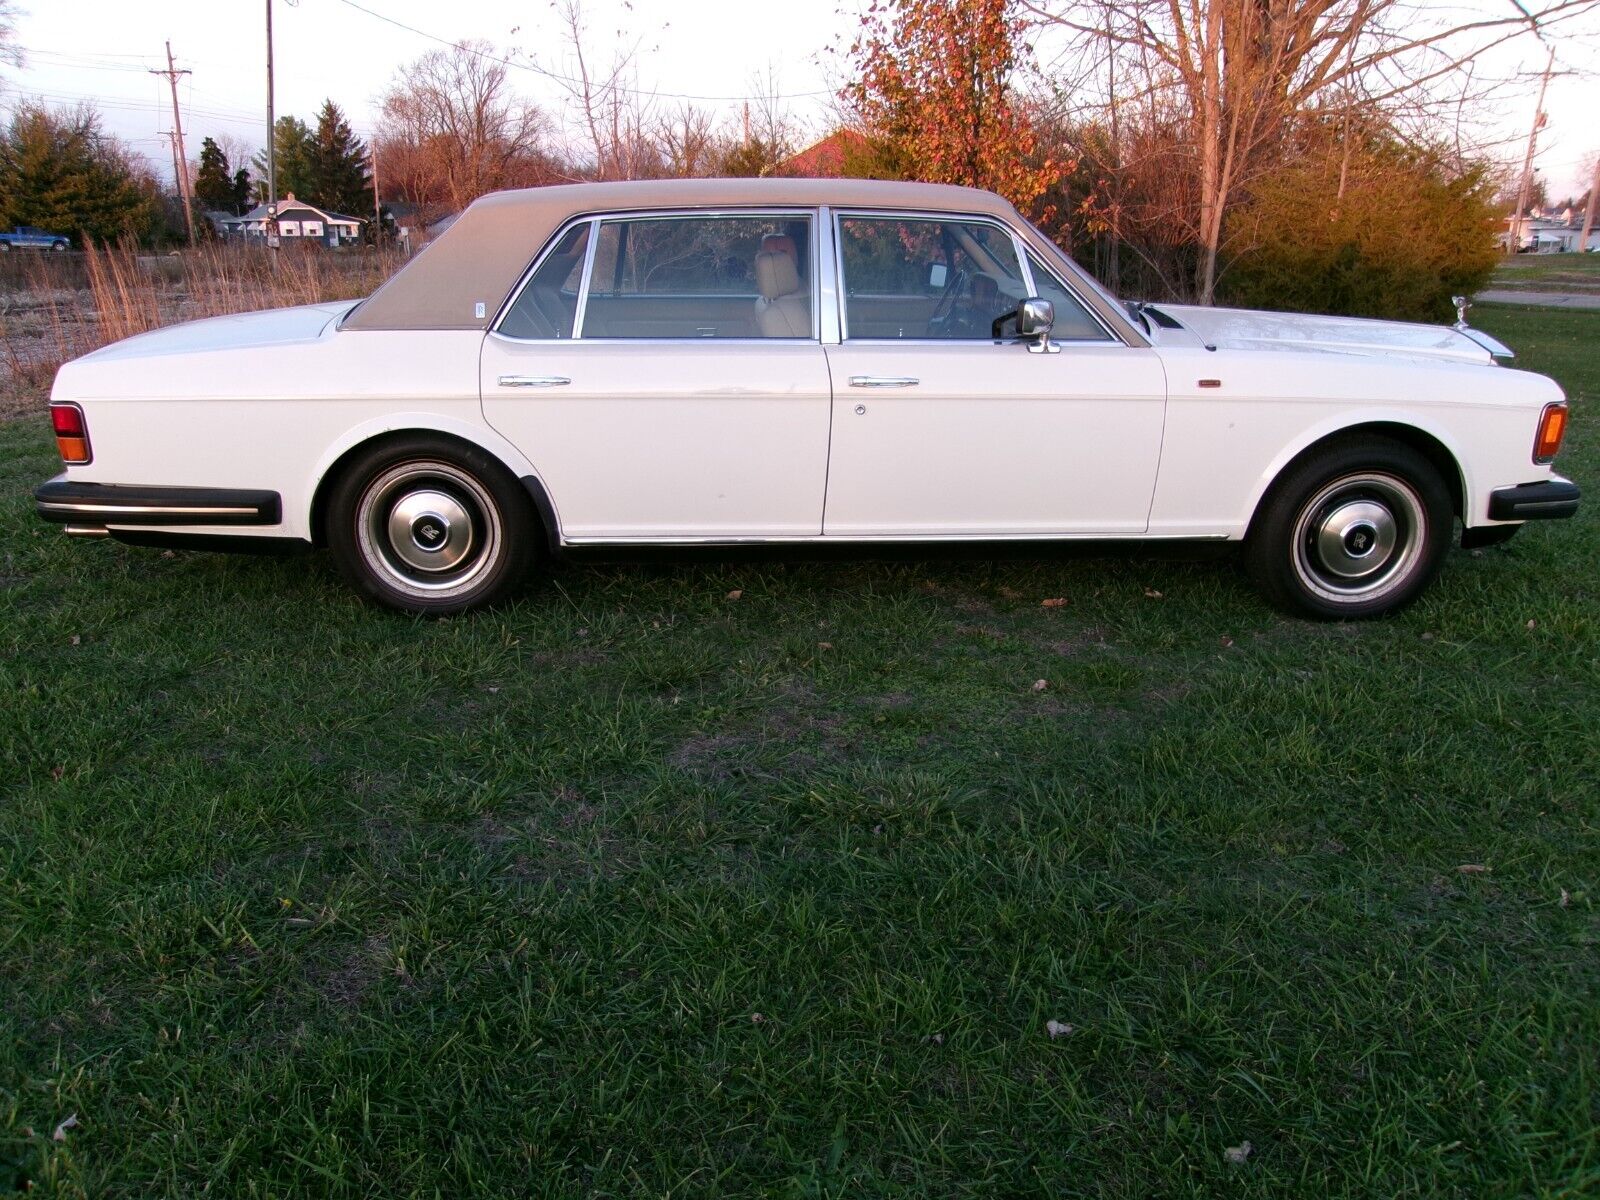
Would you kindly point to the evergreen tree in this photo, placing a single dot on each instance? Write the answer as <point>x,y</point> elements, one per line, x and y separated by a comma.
<point>339,178</point>
<point>242,198</point>
<point>213,187</point>
<point>292,141</point>
<point>59,171</point>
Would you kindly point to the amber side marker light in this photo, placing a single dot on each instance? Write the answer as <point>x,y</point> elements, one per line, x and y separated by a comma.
<point>72,434</point>
<point>1552,428</point>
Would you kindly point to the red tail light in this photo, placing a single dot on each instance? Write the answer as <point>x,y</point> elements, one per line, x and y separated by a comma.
<point>1552,428</point>
<point>72,433</point>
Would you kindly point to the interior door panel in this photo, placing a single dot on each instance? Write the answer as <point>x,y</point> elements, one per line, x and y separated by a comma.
<point>670,316</point>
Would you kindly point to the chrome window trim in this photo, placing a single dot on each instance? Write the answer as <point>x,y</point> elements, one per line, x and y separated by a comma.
<point>661,341</point>
<point>582,308</point>
<point>828,297</point>
<point>596,219</point>
<point>1020,247</point>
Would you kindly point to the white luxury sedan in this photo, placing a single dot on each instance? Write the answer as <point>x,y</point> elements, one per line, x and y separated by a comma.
<point>746,361</point>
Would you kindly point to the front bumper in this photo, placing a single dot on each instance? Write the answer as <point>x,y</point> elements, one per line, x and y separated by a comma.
<point>1549,499</point>
<point>100,504</point>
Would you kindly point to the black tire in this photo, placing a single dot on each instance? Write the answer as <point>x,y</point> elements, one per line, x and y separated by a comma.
<point>1356,529</point>
<point>58,245</point>
<point>427,525</point>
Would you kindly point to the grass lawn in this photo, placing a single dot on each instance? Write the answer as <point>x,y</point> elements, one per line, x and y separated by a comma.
<point>1549,273</point>
<point>636,888</point>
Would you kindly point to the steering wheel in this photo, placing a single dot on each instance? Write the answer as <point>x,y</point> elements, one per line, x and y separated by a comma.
<point>947,301</point>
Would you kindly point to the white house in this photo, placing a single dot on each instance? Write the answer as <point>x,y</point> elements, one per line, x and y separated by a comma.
<point>297,219</point>
<point>1557,233</point>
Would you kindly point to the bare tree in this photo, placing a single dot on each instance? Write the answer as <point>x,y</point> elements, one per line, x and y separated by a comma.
<point>452,129</point>
<point>688,141</point>
<point>617,116</point>
<point>1239,70</point>
<point>10,52</point>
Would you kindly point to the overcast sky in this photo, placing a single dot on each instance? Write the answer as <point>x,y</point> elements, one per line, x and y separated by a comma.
<point>716,51</point>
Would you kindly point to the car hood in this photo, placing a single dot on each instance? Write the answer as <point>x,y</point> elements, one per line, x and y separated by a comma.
<point>272,327</point>
<point>1248,329</point>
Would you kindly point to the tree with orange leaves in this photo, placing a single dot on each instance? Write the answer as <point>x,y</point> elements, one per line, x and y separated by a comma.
<point>933,89</point>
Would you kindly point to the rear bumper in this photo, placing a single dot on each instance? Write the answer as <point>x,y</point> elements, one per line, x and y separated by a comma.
<point>68,503</point>
<point>1549,499</point>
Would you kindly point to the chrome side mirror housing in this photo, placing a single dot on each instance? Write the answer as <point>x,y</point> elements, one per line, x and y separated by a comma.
<point>1036,317</point>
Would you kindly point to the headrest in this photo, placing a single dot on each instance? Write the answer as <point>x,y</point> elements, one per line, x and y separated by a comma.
<point>776,275</point>
<point>780,243</point>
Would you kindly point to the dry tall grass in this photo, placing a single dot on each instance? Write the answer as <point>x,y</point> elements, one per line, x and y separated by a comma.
<point>54,307</point>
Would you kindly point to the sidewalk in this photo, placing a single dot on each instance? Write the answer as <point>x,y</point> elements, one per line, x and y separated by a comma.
<point>1544,299</point>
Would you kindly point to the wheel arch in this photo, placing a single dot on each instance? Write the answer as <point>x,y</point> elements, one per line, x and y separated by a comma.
<point>361,439</point>
<point>1431,443</point>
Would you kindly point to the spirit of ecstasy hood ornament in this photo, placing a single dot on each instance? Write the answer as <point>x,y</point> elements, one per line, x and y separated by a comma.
<point>1462,304</point>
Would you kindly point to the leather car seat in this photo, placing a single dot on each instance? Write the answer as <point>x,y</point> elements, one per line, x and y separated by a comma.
<point>783,308</point>
<point>780,243</point>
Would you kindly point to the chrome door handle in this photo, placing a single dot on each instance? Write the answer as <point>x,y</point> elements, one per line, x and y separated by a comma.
<point>533,381</point>
<point>883,381</point>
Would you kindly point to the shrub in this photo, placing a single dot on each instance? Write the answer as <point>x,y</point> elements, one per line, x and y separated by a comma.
<point>1409,231</point>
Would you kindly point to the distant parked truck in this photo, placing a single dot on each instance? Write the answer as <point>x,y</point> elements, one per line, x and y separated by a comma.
<point>31,237</point>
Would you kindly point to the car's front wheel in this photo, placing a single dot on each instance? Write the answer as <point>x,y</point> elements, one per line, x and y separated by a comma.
<point>427,525</point>
<point>1355,531</point>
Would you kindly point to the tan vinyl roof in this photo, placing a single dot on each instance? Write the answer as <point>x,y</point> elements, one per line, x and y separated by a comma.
<point>479,259</point>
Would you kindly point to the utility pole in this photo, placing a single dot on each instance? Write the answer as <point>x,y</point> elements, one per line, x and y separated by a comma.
<point>1527,161</point>
<point>272,145</point>
<point>180,169</point>
<point>1588,209</point>
<point>172,140</point>
<point>378,205</point>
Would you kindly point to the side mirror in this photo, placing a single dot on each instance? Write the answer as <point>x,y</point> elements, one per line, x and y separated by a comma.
<point>1036,317</point>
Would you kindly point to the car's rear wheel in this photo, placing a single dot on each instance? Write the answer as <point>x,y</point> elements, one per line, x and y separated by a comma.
<point>1355,531</point>
<point>58,245</point>
<point>427,525</point>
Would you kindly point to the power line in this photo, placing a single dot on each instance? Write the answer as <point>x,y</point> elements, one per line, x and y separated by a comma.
<point>129,104</point>
<point>568,79</point>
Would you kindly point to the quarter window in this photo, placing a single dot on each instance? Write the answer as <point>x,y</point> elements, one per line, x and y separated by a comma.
<point>1073,322</point>
<point>548,305</point>
<point>701,277</point>
<point>921,278</point>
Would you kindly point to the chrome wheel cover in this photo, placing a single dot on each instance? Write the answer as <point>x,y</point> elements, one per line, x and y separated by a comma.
<point>1358,538</point>
<point>428,529</point>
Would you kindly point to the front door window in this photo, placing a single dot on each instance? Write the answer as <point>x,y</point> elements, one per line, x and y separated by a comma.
<point>921,278</point>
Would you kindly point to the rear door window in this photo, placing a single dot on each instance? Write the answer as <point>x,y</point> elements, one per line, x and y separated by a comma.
<point>702,277</point>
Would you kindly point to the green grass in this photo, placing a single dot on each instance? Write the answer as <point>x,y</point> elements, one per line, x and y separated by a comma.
<point>633,889</point>
<point>1549,273</point>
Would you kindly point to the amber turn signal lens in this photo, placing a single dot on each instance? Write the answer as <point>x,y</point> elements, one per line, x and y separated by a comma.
<point>1552,428</point>
<point>72,433</point>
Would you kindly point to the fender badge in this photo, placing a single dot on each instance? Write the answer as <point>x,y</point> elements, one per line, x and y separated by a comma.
<point>1210,383</point>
